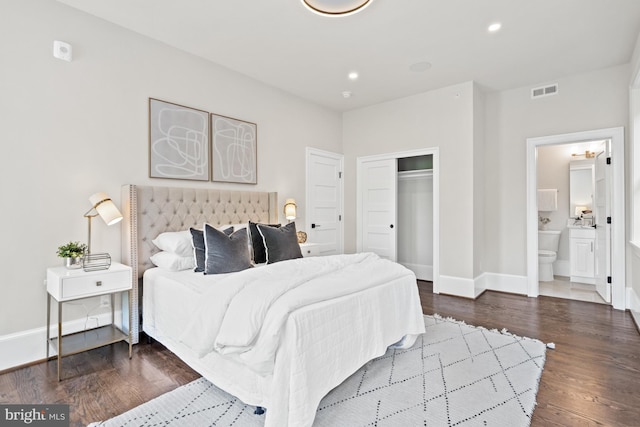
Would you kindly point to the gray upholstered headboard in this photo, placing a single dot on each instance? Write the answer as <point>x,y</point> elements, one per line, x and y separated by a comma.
<point>149,211</point>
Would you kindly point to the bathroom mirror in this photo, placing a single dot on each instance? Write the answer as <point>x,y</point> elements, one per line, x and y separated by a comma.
<point>581,182</point>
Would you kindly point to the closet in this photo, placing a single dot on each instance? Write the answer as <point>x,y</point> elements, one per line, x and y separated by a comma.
<point>395,210</point>
<point>415,215</point>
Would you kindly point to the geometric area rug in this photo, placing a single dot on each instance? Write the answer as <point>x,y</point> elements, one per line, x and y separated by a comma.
<point>454,375</point>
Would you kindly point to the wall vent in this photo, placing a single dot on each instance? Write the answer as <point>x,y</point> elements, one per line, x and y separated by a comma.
<point>539,92</point>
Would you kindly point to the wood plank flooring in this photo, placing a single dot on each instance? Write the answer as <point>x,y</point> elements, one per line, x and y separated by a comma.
<point>592,378</point>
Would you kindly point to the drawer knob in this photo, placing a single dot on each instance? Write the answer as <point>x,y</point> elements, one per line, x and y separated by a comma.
<point>99,283</point>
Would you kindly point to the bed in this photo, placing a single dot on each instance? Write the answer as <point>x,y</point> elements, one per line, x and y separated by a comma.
<point>278,336</point>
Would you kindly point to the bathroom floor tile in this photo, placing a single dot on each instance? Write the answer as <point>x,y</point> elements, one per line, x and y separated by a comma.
<point>563,288</point>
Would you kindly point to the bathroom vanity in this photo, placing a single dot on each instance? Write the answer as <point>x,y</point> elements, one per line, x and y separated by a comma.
<point>582,242</point>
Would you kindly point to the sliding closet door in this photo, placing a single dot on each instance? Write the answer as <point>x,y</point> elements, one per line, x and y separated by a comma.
<point>377,179</point>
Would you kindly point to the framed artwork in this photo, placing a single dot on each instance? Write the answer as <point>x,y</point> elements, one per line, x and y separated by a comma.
<point>178,141</point>
<point>234,150</point>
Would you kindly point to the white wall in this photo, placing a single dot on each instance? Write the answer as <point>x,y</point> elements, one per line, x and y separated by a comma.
<point>72,129</point>
<point>478,215</point>
<point>633,186</point>
<point>587,101</point>
<point>440,118</point>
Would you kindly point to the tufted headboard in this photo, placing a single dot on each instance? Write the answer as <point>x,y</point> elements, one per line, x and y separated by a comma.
<point>149,211</point>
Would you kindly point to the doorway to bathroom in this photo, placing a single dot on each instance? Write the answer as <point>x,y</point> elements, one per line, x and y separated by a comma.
<point>566,236</point>
<point>575,182</point>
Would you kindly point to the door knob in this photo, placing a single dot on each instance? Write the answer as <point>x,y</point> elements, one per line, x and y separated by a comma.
<point>391,226</point>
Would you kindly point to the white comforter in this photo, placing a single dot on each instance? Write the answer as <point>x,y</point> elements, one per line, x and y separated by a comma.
<point>290,332</point>
<point>244,313</point>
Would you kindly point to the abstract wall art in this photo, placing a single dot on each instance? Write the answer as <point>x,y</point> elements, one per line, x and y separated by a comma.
<point>234,150</point>
<point>178,141</point>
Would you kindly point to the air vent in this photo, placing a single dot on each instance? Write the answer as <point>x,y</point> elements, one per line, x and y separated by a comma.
<point>539,92</point>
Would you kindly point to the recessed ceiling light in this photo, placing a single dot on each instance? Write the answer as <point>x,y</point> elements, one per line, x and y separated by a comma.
<point>494,27</point>
<point>346,94</point>
<point>353,75</point>
<point>336,8</point>
<point>420,67</point>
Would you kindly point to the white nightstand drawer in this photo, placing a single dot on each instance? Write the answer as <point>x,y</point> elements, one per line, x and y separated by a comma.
<point>65,284</point>
<point>310,249</point>
<point>74,287</point>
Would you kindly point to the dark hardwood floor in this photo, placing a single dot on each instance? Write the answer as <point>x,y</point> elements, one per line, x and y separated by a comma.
<point>592,378</point>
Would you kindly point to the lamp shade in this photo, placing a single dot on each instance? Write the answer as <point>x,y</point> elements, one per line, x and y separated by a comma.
<point>107,210</point>
<point>290,209</point>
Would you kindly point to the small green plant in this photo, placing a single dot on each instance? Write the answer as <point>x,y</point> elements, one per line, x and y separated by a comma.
<point>71,250</point>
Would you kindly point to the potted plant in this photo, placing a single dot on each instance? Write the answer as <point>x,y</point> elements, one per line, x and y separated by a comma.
<point>72,253</point>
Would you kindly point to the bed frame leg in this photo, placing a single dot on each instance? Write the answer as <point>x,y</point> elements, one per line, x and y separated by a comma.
<point>259,410</point>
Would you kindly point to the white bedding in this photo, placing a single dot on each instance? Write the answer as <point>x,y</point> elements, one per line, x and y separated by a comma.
<point>283,335</point>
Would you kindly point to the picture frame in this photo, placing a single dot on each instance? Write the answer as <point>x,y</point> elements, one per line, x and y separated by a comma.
<point>178,142</point>
<point>234,150</point>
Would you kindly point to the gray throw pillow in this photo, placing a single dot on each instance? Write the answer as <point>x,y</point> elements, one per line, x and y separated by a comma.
<point>258,254</point>
<point>225,254</point>
<point>280,243</point>
<point>199,250</point>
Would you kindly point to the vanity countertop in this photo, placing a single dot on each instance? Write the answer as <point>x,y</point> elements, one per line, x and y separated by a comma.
<point>577,226</point>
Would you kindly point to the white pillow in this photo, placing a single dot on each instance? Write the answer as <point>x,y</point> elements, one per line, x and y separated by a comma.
<point>173,262</point>
<point>175,242</point>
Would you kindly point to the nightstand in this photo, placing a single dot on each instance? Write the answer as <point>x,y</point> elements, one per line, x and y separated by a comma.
<point>65,285</point>
<point>310,249</point>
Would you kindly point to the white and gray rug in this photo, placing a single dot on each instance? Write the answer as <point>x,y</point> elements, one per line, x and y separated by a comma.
<point>455,375</point>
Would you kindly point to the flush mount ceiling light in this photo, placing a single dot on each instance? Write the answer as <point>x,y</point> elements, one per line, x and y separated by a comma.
<point>336,7</point>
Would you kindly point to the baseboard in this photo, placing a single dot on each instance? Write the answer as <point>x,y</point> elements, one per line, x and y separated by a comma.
<point>506,283</point>
<point>422,271</point>
<point>457,286</point>
<point>22,348</point>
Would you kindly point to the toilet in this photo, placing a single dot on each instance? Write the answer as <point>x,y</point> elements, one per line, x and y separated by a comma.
<point>548,241</point>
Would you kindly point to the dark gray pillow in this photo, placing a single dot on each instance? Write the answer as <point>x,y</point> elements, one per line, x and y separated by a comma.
<point>281,243</point>
<point>225,254</point>
<point>258,254</point>
<point>197,241</point>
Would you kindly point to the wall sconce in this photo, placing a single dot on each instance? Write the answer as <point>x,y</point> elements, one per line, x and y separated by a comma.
<point>290,209</point>
<point>587,154</point>
<point>103,206</point>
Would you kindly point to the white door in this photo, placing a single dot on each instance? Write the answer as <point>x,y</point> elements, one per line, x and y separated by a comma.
<point>378,188</point>
<point>602,211</point>
<point>324,201</point>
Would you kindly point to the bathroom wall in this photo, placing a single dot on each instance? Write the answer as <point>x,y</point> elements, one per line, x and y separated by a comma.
<point>553,172</point>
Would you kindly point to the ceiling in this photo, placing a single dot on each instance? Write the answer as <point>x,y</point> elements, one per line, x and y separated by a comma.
<point>281,43</point>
